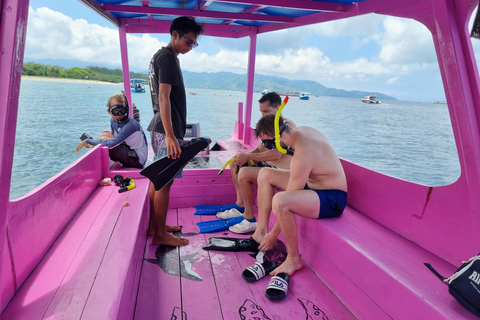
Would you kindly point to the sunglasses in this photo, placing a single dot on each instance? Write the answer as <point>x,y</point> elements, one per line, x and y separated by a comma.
<point>118,110</point>
<point>189,42</point>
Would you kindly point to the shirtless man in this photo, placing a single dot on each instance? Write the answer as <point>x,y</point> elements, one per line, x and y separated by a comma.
<point>265,154</point>
<point>315,187</point>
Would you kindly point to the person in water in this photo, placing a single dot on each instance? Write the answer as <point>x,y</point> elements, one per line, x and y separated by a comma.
<point>264,155</point>
<point>126,141</point>
<point>315,187</point>
<point>169,121</point>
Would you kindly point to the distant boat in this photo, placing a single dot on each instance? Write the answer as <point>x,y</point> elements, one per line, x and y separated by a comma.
<point>371,99</point>
<point>136,85</point>
<point>440,102</point>
<point>264,91</point>
<point>304,95</point>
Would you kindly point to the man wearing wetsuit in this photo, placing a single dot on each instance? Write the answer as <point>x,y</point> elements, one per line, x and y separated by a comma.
<point>315,187</point>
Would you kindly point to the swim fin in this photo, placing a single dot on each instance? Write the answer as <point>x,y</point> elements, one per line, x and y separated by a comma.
<point>219,225</point>
<point>214,208</point>
<point>164,170</point>
<point>232,244</point>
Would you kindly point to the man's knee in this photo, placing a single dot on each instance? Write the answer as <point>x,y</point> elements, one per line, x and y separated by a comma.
<point>280,204</point>
<point>247,174</point>
<point>265,174</point>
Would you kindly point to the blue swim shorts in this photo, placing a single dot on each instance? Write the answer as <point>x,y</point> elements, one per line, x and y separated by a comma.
<point>332,202</point>
<point>159,147</point>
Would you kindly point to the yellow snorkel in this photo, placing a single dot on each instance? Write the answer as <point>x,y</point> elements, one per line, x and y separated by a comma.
<point>250,162</point>
<point>277,126</point>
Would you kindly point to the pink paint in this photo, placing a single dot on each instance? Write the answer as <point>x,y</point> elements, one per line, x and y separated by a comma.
<point>88,257</point>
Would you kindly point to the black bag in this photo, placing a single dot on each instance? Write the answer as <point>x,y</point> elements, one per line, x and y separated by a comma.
<point>464,284</point>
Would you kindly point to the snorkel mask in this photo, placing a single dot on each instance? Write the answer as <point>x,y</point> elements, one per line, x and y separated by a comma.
<point>119,110</point>
<point>278,131</point>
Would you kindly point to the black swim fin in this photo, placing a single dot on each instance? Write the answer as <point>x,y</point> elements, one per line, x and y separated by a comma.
<point>232,244</point>
<point>164,170</point>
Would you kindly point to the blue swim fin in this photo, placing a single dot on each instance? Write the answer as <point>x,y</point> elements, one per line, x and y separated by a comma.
<point>213,209</point>
<point>218,225</point>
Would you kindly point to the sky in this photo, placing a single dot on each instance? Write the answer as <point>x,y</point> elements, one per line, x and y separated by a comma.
<point>370,53</point>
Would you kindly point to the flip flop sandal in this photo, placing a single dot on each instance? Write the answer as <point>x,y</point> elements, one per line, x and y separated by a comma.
<point>278,286</point>
<point>258,270</point>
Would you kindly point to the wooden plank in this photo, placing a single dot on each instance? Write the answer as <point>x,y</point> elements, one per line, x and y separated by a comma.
<point>159,295</point>
<point>199,293</point>
<point>34,297</point>
<point>360,254</point>
<point>115,288</point>
<point>70,298</point>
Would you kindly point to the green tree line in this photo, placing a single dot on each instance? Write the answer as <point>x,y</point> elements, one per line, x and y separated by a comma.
<point>88,73</point>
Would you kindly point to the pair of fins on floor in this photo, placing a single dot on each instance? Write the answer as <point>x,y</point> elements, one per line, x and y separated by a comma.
<point>217,225</point>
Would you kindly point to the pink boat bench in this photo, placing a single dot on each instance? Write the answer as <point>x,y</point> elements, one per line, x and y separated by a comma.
<point>92,269</point>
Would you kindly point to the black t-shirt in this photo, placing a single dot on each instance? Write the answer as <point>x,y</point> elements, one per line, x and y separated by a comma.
<point>165,68</point>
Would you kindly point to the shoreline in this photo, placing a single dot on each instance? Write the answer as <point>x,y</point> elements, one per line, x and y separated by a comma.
<point>66,80</point>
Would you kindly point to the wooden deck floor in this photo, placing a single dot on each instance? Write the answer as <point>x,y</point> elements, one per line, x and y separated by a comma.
<point>191,283</point>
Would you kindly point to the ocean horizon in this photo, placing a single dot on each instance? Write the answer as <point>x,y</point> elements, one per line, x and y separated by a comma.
<point>410,140</point>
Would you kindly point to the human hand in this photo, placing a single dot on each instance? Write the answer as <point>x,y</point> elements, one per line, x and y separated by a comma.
<point>81,145</point>
<point>173,148</point>
<point>240,159</point>
<point>268,242</point>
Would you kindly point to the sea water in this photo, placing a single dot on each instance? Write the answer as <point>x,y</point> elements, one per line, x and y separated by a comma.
<point>410,140</point>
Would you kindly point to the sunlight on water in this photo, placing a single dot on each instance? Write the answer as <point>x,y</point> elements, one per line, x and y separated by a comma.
<point>409,140</point>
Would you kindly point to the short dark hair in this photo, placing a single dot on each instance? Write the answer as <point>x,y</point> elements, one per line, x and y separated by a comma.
<point>185,24</point>
<point>273,98</point>
<point>266,125</point>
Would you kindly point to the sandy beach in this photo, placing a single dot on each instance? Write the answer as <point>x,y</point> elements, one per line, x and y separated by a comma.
<point>65,80</point>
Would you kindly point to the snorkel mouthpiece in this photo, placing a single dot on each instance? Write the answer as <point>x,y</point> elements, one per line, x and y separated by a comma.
<point>277,126</point>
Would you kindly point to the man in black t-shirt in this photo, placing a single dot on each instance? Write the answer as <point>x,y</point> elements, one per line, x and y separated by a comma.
<point>168,125</point>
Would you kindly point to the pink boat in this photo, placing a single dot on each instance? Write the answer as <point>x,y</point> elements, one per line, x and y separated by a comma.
<point>70,249</point>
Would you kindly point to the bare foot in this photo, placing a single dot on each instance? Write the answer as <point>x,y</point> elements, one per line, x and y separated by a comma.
<point>289,266</point>
<point>170,240</point>
<point>151,232</point>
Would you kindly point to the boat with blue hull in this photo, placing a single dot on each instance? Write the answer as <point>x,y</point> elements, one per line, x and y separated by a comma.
<point>73,249</point>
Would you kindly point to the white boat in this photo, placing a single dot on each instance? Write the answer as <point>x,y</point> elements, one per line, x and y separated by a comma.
<point>304,95</point>
<point>371,99</point>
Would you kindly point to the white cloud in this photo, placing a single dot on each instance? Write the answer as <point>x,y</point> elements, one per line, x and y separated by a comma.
<point>377,47</point>
<point>81,41</point>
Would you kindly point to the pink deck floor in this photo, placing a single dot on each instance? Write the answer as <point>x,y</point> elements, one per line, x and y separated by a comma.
<point>208,284</point>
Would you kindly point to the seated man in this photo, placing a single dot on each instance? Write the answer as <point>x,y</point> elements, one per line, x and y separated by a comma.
<point>315,187</point>
<point>264,155</point>
<point>127,141</point>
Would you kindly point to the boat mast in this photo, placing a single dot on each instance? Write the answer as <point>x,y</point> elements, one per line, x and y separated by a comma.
<point>250,80</point>
<point>13,29</point>
<point>122,33</point>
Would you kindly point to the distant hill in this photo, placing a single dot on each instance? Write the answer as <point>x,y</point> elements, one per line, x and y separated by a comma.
<point>203,80</point>
<point>238,82</point>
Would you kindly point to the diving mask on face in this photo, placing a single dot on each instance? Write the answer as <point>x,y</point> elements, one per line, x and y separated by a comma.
<point>118,110</point>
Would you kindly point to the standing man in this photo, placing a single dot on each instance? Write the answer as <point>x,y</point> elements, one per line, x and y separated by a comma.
<point>168,125</point>
<point>315,187</point>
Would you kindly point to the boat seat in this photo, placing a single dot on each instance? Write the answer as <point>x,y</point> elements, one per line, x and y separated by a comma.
<point>92,269</point>
<point>374,271</point>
